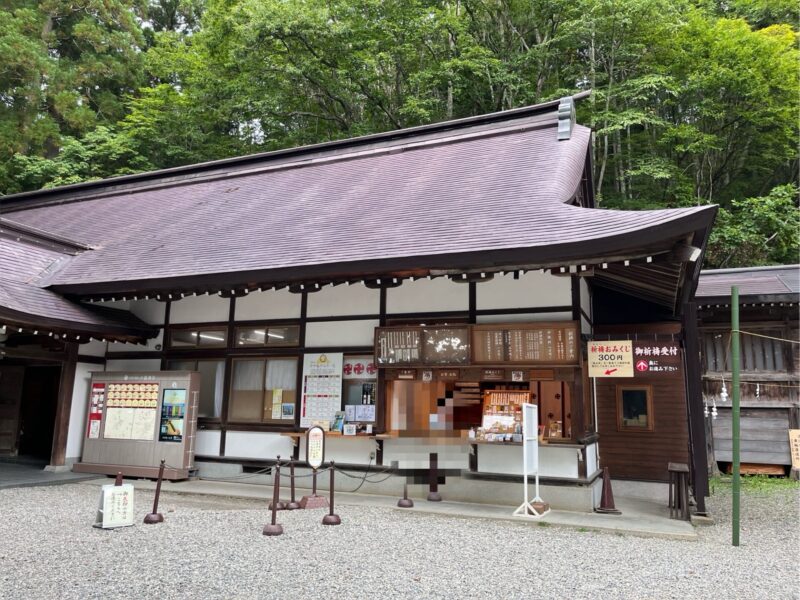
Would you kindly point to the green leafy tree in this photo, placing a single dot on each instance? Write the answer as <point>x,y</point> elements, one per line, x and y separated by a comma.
<point>757,231</point>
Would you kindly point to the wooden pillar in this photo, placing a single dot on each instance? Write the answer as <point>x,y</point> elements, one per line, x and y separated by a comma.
<point>64,405</point>
<point>694,407</point>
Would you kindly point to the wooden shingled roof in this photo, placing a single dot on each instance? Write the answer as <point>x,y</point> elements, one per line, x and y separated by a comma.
<point>26,256</point>
<point>763,284</point>
<point>491,193</point>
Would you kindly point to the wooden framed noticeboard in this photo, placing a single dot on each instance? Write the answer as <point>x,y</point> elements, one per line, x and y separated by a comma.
<point>545,343</point>
<point>137,419</point>
<point>526,343</point>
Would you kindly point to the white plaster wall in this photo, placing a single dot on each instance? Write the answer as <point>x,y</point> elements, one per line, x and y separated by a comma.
<point>151,344</point>
<point>258,445</point>
<point>414,453</point>
<point>77,413</point>
<point>585,326</point>
<point>149,311</point>
<point>524,318</point>
<point>199,309</point>
<point>257,306</point>
<point>207,443</point>
<point>586,299</point>
<point>341,333</point>
<point>137,365</point>
<point>423,295</point>
<point>553,461</point>
<point>532,289</point>
<point>350,450</point>
<point>93,348</point>
<point>344,300</point>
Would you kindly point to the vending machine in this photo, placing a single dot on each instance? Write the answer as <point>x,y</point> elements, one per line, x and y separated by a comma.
<point>137,419</point>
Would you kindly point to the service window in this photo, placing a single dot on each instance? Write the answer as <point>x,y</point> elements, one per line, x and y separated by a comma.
<point>263,391</point>
<point>360,387</point>
<point>212,377</point>
<point>635,408</point>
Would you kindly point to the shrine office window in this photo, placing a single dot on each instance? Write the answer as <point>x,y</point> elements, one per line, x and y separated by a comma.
<point>212,376</point>
<point>263,391</point>
<point>634,408</point>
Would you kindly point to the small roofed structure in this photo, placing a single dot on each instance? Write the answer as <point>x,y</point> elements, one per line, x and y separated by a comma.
<point>769,298</point>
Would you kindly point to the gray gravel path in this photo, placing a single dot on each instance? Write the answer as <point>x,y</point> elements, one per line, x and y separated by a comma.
<point>213,548</point>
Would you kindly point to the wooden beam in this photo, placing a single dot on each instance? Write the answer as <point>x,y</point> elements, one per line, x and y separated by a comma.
<point>64,406</point>
<point>694,406</point>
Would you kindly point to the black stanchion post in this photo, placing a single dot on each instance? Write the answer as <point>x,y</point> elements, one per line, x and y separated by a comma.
<point>433,494</point>
<point>280,505</point>
<point>293,504</point>
<point>331,518</point>
<point>118,480</point>
<point>405,501</point>
<point>273,528</point>
<point>155,516</point>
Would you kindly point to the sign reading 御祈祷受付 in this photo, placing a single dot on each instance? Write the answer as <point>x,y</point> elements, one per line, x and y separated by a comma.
<point>634,358</point>
<point>611,358</point>
<point>656,358</point>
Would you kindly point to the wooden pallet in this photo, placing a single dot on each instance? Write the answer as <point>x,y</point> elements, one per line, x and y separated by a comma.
<point>756,469</point>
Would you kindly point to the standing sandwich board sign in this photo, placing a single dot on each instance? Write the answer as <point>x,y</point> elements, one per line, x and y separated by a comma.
<point>535,508</point>
<point>116,506</point>
<point>315,447</point>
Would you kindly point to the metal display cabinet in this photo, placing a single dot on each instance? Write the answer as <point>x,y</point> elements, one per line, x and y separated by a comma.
<point>136,419</point>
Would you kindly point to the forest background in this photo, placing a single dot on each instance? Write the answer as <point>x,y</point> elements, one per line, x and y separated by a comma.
<point>694,101</point>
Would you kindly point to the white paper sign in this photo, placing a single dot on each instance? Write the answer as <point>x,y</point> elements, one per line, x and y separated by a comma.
<point>116,506</point>
<point>365,412</point>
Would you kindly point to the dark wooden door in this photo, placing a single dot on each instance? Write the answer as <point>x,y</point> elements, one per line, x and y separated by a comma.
<point>11,379</point>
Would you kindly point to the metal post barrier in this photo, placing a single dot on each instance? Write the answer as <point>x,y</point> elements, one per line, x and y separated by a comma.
<point>155,516</point>
<point>405,501</point>
<point>331,518</point>
<point>118,480</point>
<point>293,504</point>
<point>433,494</point>
<point>280,505</point>
<point>273,528</point>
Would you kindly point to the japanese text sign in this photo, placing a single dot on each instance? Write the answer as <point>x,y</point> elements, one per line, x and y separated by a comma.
<point>611,358</point>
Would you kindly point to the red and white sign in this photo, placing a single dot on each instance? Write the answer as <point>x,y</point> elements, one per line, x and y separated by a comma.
<point>359,367</point>
<point>96,403</point>
<point>641,365</point>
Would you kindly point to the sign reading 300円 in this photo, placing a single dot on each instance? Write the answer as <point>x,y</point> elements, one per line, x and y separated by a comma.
<point>611,359</point>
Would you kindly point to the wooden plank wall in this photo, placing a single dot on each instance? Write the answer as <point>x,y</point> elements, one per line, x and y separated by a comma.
<point>764,436</point>
<point>643,454</point>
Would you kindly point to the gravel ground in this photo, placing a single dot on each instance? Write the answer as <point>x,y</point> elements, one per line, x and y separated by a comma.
<point>213,548</point>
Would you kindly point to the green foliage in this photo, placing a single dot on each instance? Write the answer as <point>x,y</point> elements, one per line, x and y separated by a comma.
<point>694,102</point>
<point>755,484</point>
<point>757,231</point>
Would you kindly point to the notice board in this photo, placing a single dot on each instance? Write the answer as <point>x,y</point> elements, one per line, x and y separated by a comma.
<point>136,419</point>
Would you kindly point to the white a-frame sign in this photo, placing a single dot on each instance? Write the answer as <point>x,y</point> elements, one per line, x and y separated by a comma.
<point>530,463</point>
